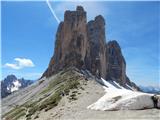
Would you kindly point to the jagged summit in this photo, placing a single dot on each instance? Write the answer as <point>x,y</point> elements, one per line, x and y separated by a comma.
<point>11,84</point>
<point>84,46</point>
<point>79,8</point>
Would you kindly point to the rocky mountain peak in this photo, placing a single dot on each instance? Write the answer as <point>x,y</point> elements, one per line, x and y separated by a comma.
<point>116,63</point>
<point>74,17</point>
<point>100,20</point>
<point>11,77</point>
<point>11,84</point>
<point>114,44</point>
<point>80,8</point>
<point>84,46</point>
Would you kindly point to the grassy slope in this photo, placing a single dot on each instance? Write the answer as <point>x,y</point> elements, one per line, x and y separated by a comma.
<point>50,96</point>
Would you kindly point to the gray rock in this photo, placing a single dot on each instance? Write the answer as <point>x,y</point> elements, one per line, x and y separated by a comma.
<point>8,83</point>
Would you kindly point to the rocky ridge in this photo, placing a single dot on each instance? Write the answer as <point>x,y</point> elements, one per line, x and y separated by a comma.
<point>83,45</point>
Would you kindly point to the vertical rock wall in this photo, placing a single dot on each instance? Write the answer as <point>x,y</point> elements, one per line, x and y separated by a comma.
<point>83,45</point>
<point>96,58</point>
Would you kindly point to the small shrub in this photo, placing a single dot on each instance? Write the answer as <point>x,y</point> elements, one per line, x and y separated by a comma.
<point>36,117</point>
<point>41,81</point>
<point>41,107</point>
<point>81,88</point>
<point>74,91</point>
<point>28,118</point>
<point>72,97</point>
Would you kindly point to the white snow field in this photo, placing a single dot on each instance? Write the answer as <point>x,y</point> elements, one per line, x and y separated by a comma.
<point>14,87</point>
<point>119,98</point>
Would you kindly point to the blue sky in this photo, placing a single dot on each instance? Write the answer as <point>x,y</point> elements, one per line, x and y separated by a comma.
<point>29,28</point>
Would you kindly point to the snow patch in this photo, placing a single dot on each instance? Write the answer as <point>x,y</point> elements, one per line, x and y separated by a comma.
<point>129,87</point>
<point>118,98</point>
<point>8,88</point>
<point>16,86</point>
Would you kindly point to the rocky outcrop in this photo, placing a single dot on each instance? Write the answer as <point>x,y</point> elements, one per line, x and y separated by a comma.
<point>83,45</point>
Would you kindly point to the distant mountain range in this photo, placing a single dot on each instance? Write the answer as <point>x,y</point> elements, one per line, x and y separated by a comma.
<point>150,89</point>
<point>11,84</point>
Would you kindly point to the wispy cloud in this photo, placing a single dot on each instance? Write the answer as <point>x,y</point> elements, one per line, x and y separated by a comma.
<point>60,7</point>
<point>52,11</point>
<point>20,63</point>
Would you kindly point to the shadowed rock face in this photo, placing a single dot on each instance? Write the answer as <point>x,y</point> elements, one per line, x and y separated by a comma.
<point>83,45</point>
<point>8,85</point>
<point>116,63</point>
<point>95,60</point>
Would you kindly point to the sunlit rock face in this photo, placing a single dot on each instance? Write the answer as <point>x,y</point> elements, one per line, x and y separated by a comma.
<point>83,45</point>
<point>71,42</point>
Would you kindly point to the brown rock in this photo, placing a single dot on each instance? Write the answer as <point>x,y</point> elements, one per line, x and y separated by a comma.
<point>71,42</point>
<point>95,57</point>
<point>83,45</point>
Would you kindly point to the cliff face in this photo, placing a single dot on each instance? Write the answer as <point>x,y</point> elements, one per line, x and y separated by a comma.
<point>71,42</point>
<point>116,63</point>
<point>95,60</point>
<point>83,45</point>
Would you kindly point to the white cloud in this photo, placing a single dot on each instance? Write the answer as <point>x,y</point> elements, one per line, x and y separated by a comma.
<point>20,63</point>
